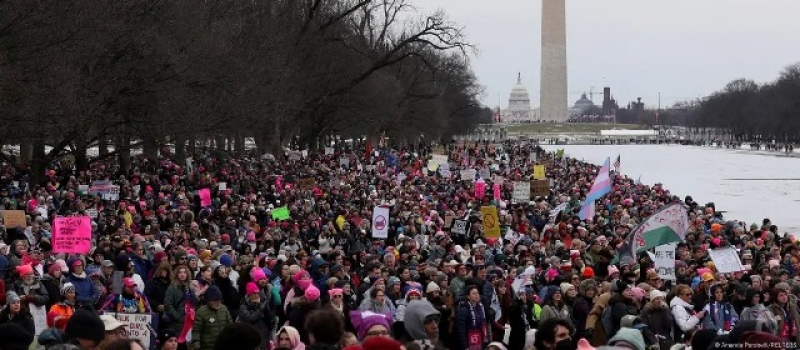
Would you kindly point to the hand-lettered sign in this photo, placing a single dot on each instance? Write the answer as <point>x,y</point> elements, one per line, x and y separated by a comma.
<point>72,234</point>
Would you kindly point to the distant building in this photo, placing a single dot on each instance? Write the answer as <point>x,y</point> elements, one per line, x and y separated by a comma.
<point>519,106</point>
<point>609,104</point>
<point>581,106</point>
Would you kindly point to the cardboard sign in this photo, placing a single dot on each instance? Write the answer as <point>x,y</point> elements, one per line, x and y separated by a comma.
<point>540,188</point>
<point>522,191</point>
<point>380,222</point>
<point>72,234</point>
<point>538,172</point>
<point>491,222</point>
<point>306,183</point>
<point>726,260</point>
<point>281,213</point>
<point>137,326</point>
<point>14,218</point>
<point>460,227</point>
<point>205,197</point>
<point>665,261</point>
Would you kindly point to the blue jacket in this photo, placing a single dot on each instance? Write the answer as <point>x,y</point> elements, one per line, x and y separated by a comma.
<point>85,293</point>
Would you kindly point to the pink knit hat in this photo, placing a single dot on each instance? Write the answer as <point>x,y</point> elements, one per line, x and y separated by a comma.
<point>612,270</point>
<point>24,270</point>
<point>257,274</point>
<point>252,288</point>
<point>311,293</point>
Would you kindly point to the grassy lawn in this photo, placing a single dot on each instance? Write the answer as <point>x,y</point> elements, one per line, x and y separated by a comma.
<point>591,128</point>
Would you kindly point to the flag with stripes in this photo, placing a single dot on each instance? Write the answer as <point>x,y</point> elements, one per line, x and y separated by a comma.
<point>616,164</point>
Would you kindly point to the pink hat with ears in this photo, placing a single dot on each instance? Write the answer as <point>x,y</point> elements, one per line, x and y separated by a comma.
<point>335,291</point>
<point>612,270</point>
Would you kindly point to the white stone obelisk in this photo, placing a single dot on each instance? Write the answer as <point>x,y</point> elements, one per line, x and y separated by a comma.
<point>553,91</point>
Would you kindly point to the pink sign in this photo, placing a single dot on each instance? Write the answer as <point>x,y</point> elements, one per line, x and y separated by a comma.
<point>496,189</point>
<point>72,235</point>
<point>205,197</point>
<point>480,189</point>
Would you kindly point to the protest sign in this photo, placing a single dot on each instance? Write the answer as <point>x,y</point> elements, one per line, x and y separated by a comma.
<point>665,261</point>
<point>460,227</point>
<point>14,218</point>
<point>726,260</point>
<point>39,314</point>
<point>522,191</point>
<point>344,162</point>
<point>491,222</point>
<point>92,212</point>
<point>480,188</point>
<point>137,326</point>
<point>205,197</point>
<point>538,172</point>
<point>439,159</point>
<point>468,175</point>
<point>112,194</point>
<point>222,186</point>
<point>496,191</point>
<point>328,151</point>
<point>72,234</point>
<point>281,213</point>
<point>445,173</point>
<point>380,222</point>
<point>540,188</point>
<point>485,173</point>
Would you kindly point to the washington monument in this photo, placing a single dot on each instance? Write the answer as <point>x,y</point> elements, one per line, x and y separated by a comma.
<point>553,91</point>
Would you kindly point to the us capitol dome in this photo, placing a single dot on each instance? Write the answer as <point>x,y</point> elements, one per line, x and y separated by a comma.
<point>519,105</point>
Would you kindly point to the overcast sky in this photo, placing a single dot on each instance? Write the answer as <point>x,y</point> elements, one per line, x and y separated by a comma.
<point>683,49</point>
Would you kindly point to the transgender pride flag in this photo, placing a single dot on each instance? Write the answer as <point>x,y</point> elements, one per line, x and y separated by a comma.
<point>600,186</point>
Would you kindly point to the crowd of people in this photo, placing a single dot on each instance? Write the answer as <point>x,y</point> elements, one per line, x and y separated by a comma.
<point>283,255</point>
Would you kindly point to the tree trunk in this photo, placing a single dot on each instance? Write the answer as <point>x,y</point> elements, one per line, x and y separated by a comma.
<point>150,147</point>
<point>102,146</point>
<point>38,163</point>
<point>25,151</point>
<point>81,158</point>
<point>240,149</point>
<point>124,153</point>
<point>180,150</point>
<point>192,146</point>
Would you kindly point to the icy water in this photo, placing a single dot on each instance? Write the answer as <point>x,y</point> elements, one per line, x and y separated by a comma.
<point>747,185</point>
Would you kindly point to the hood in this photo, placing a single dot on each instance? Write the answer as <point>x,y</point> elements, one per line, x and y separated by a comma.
<point>49,337</point>
<point>416,313</point>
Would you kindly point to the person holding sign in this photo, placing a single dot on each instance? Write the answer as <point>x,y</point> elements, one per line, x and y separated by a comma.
<point>129,301</point>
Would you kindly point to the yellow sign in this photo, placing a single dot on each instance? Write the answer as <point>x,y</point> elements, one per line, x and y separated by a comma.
<point>432,166</point>
<point>491,222</point>
<point>538,172</point>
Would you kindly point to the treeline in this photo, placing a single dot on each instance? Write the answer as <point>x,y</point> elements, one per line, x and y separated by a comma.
<point>752,112</point>
<point>78,74</point>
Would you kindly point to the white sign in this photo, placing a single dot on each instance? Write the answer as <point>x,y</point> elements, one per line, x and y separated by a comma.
<point>42,212</point>
<point>295,155</point>
<point>328,151</point>
<point>522,191</point>
<point>726,260</point>
<point>81,188</point>
<point>137,326</point>
<point>113,193</point>
<point>468,175</point>
<point>445,173</point>
<point>344,162</point>
<point>460,227</point>
<point>665,261</point>
<point>39,314</point>
<point>92,213</point>
<point>484,173</point>
<point>222,186</point>
<point>380,222</point>
<point>439,159</point>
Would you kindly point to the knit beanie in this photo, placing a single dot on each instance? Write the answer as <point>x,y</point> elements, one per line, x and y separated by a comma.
<point>226,260</point>
<point>630,336</point>
<point>363,321</point>
<point>565,287</point>
<point>11,297</point>
<point>257,274</point>
<point>66,287</point>
<point>252,288</point>
<point>311,293</point>
<point>15,337</point>
<point>85,324</point>
<point>432,287</point>
<point>213,294</point>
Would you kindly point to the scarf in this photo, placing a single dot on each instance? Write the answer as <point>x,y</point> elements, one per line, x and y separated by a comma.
<point>789,328</point>
<point>340,309</point>
<point>727,317</point>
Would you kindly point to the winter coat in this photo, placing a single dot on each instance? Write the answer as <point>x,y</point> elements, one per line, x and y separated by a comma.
<point>658,320</point>
<point>24,321</point>
<point>466,324</point>
<point>298,310</point>
<point>53,287</point>
<point>85,292</point>
<point>174,306</point>
<point>519,318</point>
<point>258,315</point>
<point>37,290</point>
<point>550,311</point>
<point>580,312</point>
<point>156,291</point>
<point>717,321</point>
<point>208,324</point>
<point>781,316</point>
<point>681,312</point>
<point>620,307</point>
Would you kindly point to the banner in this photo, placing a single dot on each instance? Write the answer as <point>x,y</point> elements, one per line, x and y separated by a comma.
<point>380,222</point>
<point>522,192</point>
<point>665,261</point>
<point>540,188</point>
<point>281,213</point>
<point>72,234</point>
<point>137,326</point>
<point>205,197</point>
<point>665,226</point>
<point>538,172</point>
<point>726,260</point>
<point>491,222</point>
<point>14,218</point>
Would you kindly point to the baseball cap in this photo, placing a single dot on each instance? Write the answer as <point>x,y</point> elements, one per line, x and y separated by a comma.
<point>128,282</point>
